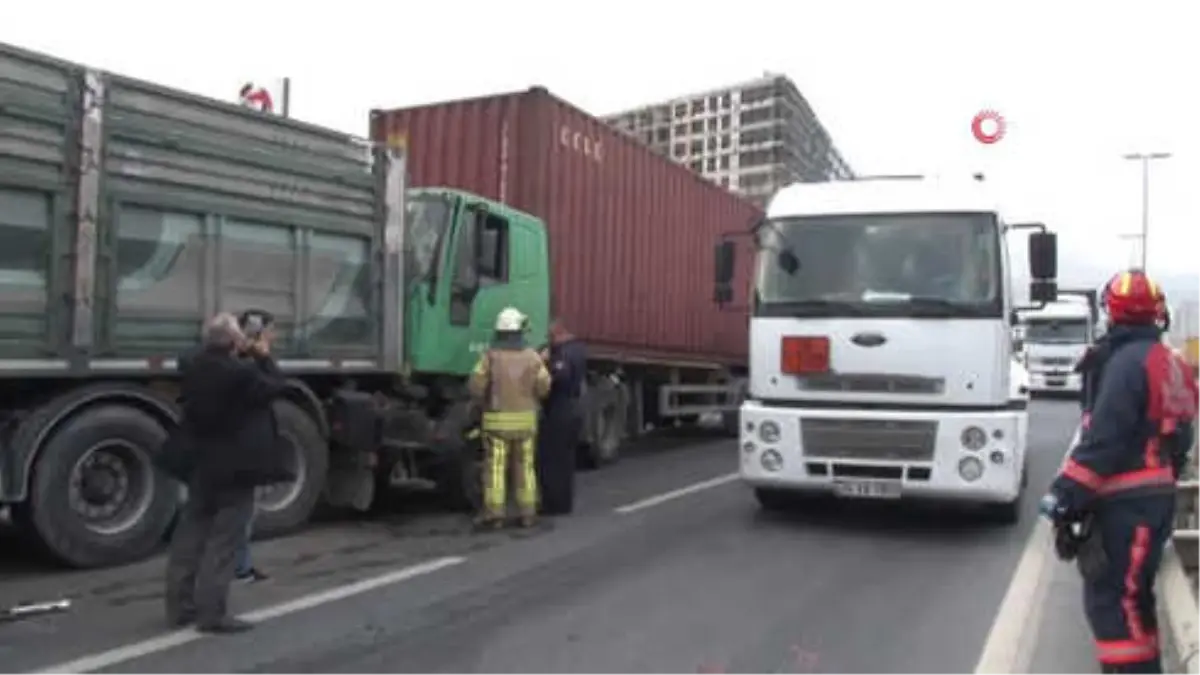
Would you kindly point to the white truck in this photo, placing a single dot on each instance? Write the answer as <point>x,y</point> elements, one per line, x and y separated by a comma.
<point>1055,337</point>
<point>881,353</point>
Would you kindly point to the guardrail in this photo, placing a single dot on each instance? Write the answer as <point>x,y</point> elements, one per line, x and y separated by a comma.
<point>1187,514</point>
<point>1187,524</point>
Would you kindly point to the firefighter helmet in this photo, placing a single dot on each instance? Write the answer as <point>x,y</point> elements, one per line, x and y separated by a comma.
<point>1133,297</point>
<point>510,320</point>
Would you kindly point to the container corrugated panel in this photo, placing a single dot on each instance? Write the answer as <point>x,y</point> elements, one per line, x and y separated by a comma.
<point>631,232</point>
<point>292,206</point>
<point>39,109</point>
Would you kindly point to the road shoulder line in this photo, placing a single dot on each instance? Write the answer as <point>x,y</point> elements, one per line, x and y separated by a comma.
<point>1012,640</point>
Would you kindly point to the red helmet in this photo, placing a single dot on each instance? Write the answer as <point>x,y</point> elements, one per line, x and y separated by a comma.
<point>1132,297</point>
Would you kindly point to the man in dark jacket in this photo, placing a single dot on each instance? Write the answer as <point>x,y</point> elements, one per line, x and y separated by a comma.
<point>562,420</point>
<point>230,432</point>
<point>1119,481</point>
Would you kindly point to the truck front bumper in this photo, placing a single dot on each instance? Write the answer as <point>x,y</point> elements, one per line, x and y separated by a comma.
<point>1055,381</point>
<point>885,453</point>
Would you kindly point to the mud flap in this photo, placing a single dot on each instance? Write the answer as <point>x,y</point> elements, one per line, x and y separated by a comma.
<point>352,487</point>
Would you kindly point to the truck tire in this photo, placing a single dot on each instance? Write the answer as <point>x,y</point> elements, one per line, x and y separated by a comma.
<point>461,481</point>
<point>460,459</point>
<point>774,500</point>
<point>606,411</point>
<point>96,498</point>
<point>1009,513</point>
<point>286,507</point>
<point>1006,513</point>
<point>730,424</point>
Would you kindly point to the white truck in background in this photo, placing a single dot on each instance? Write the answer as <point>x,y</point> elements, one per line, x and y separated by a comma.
<point>881,354</point>
<point>1055,337</point>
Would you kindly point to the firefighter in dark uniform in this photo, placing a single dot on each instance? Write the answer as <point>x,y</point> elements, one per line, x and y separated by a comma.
<point>562,420</point>
<point>1113,505</point>
<point>510,380</point>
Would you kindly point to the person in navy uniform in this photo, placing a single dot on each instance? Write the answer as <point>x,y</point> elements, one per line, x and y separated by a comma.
<point>1120,478</point>
<point>562,420</point>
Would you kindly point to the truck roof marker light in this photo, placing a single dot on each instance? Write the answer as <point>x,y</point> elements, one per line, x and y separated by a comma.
<point>804,354</point>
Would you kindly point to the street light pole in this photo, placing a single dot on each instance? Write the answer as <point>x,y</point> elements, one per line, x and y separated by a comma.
<point>1145,158</point>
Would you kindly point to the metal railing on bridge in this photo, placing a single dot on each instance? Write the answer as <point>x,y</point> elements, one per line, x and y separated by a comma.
<point>1187,520</point>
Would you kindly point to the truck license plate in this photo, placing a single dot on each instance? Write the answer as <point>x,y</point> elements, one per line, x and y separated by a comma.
<point>867,489</point>
<point>1056,382</point>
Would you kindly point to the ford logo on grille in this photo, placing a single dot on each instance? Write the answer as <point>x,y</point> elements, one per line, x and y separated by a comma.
<point>868,339</point>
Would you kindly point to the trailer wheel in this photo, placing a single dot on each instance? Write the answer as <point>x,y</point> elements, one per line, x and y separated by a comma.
<point>286,507</point>
<point>96,498</point>
<point>606,408</point>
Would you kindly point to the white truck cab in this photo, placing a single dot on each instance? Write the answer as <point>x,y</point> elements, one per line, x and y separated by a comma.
<point>1055,337</point>
<point>881,350</point>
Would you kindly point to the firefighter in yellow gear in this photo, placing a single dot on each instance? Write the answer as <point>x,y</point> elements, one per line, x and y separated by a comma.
<point>510,380</point>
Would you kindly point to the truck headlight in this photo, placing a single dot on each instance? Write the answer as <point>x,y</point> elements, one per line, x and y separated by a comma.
<point>973,438</point>
<point>970,468</point>
<point>768,432</point>
<point>771,461</point>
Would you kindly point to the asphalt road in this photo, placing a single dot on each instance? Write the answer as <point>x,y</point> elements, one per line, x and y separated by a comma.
<point>701,583</point>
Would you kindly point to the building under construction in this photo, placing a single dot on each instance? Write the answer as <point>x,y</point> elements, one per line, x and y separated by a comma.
<point>752,138</point>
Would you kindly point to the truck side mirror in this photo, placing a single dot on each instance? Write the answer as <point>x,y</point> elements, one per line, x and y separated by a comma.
<point>1043,255</point>
<point>1043,291</point>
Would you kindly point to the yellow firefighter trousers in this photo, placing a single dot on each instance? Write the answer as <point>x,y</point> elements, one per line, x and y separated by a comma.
<point>502,453</point>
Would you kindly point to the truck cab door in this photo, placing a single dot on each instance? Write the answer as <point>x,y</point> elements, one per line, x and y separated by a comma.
<point>478,288</point>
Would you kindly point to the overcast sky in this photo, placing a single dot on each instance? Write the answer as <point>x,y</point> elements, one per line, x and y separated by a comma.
<point>896,83</point>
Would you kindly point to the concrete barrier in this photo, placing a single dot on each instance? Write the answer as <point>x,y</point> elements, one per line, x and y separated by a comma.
<point>1177,604</point>
<point>1177,614</point>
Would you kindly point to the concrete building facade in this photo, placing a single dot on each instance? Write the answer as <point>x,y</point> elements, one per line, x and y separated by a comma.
<point>752,138</point>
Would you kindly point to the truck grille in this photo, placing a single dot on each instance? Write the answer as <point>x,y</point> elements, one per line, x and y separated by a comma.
<point>864,383</point>
<point>869,439</point>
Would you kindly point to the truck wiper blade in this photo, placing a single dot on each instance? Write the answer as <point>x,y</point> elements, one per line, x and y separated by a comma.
<point>815,305</point>
<point>936,303</point>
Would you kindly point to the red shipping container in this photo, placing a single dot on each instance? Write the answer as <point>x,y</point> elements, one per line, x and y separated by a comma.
<point>631,233</point>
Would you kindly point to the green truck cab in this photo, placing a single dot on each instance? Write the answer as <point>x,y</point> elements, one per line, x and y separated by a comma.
<point>469,258</point>
<point>130,212</point>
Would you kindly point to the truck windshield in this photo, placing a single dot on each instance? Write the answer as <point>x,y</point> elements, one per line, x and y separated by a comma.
<point>1056,331</point>
<point>428,217</point>
<point>912,264</point>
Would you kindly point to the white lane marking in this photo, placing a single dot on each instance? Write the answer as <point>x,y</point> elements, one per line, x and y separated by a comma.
<point>162,643</point>
<point>674,494</point>
<point>1011,642</point>
<point>1019,618</point>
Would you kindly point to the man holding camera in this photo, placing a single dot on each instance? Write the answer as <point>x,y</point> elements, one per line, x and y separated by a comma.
<point>228,436</point>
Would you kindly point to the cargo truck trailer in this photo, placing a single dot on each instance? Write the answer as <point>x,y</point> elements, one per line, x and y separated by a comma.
<point>130,212</point>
